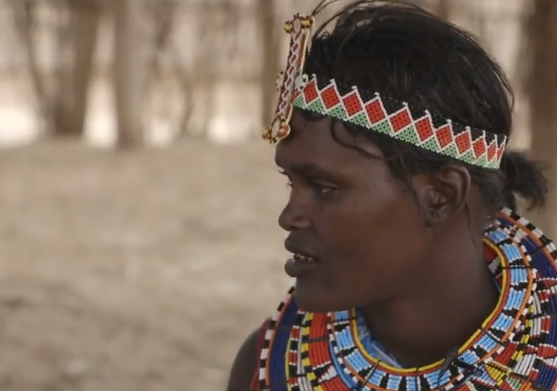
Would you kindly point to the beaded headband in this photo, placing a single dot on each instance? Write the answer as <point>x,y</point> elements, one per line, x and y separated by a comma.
<point>372,111</point>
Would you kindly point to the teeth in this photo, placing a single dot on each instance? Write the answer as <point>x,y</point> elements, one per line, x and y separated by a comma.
<point>303,258</point>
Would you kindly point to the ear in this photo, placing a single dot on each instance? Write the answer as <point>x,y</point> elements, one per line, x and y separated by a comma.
<point>443,192</point>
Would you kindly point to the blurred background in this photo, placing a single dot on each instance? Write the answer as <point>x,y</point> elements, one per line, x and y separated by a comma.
<point>139,206</point>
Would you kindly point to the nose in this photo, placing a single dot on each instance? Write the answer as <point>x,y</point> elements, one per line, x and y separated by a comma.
<point>295,215</point>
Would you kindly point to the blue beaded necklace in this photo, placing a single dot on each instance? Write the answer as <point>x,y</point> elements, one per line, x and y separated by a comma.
<point>515,349</point>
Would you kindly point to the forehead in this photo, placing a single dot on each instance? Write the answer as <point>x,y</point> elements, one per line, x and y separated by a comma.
<point>311,142</point>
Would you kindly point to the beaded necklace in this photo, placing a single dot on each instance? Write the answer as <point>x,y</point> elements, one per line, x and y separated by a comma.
<point>514,350</point>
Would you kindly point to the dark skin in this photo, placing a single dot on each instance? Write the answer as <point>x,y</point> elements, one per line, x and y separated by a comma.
<point>419,274</point>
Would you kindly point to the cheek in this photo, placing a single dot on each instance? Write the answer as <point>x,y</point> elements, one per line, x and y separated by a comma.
<point>347,235</point>
<point>399,238</point>
<point>386,234</point>
<point>371,251</point>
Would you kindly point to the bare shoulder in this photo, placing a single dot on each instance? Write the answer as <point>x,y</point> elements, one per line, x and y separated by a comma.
<point>245,363</point>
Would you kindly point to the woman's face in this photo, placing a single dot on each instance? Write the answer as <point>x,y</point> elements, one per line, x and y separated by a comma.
<point>361,225</point>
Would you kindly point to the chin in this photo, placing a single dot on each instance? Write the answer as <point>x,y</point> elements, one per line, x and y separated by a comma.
<point>320,298</point>
<point>318,301</point>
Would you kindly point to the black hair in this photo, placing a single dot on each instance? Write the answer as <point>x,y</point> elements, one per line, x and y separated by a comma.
<point>408,54</point>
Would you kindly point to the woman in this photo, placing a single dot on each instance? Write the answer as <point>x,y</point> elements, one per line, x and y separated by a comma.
<point>412,272</point>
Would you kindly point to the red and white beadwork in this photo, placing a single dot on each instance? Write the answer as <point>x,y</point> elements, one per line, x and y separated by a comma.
<point>515,349</point>
<point>472,146</point>
<point>309,92</point>
<point>291,81</point>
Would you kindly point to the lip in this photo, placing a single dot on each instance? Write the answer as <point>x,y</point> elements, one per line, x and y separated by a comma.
<point>295,249</point>
<point>297,268</point>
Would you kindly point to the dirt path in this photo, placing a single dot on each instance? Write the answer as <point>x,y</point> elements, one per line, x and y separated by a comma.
<point>137,271</point>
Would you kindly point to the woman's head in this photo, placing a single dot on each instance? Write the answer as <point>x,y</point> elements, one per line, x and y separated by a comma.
<point>376,215</point>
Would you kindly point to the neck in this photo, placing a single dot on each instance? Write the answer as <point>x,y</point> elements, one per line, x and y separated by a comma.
<point>450,298</point>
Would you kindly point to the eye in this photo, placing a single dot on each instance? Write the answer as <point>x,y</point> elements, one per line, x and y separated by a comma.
<point>289,183</point>
<point>322,189</point>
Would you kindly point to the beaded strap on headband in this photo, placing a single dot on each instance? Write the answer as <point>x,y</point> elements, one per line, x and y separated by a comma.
<point>371,111</point>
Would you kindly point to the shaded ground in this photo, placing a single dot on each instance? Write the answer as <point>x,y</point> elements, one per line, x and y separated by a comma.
<point>134,271</point>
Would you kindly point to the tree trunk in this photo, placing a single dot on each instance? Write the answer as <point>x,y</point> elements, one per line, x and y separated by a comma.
<point>265,13</point>
<point>130,71</point>
<point>541,87</point>
<point>24,13</point>
<point>75,90</point>
<point>62,107</point>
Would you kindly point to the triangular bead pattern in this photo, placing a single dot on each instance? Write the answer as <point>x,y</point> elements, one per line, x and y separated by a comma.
<point>399,121</point>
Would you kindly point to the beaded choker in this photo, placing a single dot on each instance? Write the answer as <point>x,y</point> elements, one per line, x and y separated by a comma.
<point>372,111</point>
<point>515,349</point>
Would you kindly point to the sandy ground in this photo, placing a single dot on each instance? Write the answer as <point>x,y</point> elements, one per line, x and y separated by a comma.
<point>136,271</point>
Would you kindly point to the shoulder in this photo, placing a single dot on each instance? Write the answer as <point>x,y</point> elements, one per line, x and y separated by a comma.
<point>245,364</point>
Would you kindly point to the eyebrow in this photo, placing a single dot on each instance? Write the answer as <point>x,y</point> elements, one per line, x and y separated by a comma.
<point>309,169</point>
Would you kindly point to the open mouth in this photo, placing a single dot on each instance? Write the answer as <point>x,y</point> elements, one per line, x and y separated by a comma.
<point>303,258</point>
<point>299,265</point>
<point>299,255</point>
